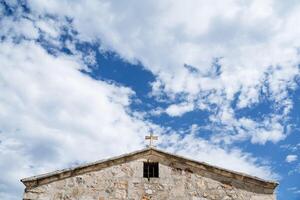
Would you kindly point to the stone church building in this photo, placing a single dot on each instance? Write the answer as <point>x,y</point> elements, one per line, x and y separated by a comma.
<point>147,174</point>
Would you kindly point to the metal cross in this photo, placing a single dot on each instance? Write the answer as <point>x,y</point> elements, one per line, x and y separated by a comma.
<point>151,138</point>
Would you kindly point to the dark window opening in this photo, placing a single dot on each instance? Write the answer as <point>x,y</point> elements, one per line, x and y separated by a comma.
<point>151,170</point>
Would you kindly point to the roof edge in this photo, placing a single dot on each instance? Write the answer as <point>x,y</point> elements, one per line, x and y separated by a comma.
<point>275,183</point>
<point>68,172</point>
<point>53,173</point>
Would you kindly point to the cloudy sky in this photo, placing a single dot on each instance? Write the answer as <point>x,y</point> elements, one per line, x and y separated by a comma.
<point>217,81</point>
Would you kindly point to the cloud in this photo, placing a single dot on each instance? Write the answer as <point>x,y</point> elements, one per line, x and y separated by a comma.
<point>290,147</point>
<point>176,110</point>
<point>291,158</point>
<point>25,28</point>
<point>295,170</point>
<point>294,190</point>
<point>211,52</point>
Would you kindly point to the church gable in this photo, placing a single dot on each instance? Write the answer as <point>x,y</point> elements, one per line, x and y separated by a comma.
<point>134,176</point>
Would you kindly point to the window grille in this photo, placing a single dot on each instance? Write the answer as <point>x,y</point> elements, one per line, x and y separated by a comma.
<point>151,170</point>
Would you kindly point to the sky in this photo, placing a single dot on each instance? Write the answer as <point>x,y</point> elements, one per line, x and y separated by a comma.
<point>217,81</point>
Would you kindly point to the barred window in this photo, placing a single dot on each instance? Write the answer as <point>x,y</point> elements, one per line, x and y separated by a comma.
<point>151,170</point>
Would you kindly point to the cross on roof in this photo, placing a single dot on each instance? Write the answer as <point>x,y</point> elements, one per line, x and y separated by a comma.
<point>151,137</point>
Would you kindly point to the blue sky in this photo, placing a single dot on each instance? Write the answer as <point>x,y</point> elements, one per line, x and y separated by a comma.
<point>86,80</point>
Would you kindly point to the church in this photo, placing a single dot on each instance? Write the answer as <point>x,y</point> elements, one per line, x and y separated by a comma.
<point>147,174</point>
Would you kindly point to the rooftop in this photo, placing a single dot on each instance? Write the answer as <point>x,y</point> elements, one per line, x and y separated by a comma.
<point>98,165</point>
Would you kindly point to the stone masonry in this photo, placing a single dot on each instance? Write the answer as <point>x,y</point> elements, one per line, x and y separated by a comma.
<point>122,178</point>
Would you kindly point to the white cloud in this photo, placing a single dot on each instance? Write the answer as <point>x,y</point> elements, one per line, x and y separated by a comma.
<point>290,147</point>
<point>295,170</point>
<point>176,110</point>
<point>48,26</point>
<point>17,28</point>
<point>258,131</point>
<point>294,190</point>
<point>291,158</point>
<point>256,42</point>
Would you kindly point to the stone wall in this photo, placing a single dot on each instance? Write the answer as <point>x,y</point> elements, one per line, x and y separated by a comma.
<point>125,181</point>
